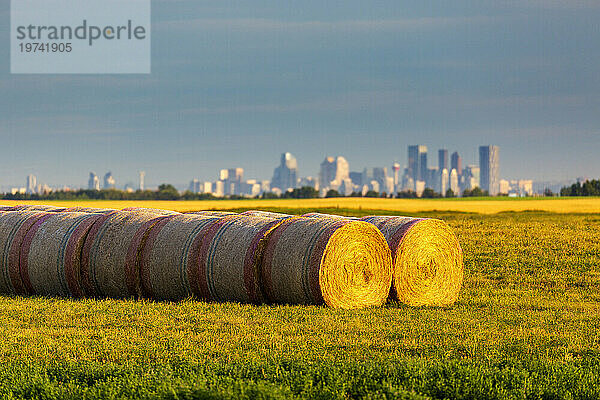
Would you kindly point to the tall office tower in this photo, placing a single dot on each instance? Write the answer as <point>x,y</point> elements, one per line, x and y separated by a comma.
<point>93,182</point>
<point>470,177</point>
<point>285,175</point>
<point>142,179</point>
<point>442,159</point>
<point>109,181</point>
<point>456,163</point>
<point>489,169</point>
<point>195,186</point>
<point>454,182</point>
<point>236,175</point>
<point>334,171</point>
<point>417,162</point>
<point>443,185</point>
<point>31,186</point>
<point>396,169</point>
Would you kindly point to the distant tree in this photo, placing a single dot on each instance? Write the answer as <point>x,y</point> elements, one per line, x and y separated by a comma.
<point>450,193</point>
<point>332,193</point>
<point>476,192</point>
<point>408,194</point>
<point>305,192</point>
<point>589,188</point>
<point>372,193</point>
<point>548,192</point>
<point>167,192</point>
<point>356,194</point>
<point>429,193</point>
<point>269,195</point>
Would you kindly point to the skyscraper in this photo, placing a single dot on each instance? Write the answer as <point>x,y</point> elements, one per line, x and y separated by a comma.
<point>417,162</point>
<point>109,181</point>
<point>93,182</point>
<point>142,179</point>
<point>333,169</point>
<point>31,184</point>
<point>285,175</point>
<point>456,163</point>
<point>442,159</point>
<point>489,167</point>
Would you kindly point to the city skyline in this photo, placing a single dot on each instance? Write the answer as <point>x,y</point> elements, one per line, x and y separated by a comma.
<point>240,82</point>
<point>335,174</point>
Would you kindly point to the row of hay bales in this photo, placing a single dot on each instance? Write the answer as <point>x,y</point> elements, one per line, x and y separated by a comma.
<point>252,257</point>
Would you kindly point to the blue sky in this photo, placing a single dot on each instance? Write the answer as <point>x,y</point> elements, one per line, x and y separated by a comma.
<point>236,83</point>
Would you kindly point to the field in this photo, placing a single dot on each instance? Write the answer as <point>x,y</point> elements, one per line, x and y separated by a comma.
<point>527,325</point>
<point>471,205</point>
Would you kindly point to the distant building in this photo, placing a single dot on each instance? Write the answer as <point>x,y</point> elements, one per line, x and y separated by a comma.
<point>93,182</point>
<point>469,179</point>
<point>444,179</point>
<point>194,186</point>
<point>396,172</point>
<point>109,181</point>
<point>356,178</point>
<point>285,175</point>
<point>442,159</point>
<point>417,162</point>
<point>454,182</point>
<point>335,174</point>
<point>489,166</point>
<point>504,186</point>
<point>456,163</point>
<point>142,179</point>
<point>31,186</point>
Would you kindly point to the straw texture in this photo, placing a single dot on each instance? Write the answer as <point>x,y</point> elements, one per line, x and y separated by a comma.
<point>428,260</point>
<point>211,213</point>
<point>14,225</point>
<point>27,207</point>
<point>170,257</point>
<point>153,210</point>
<point>230,258</point>
<point>267,214</point>
<point>333,261</point>
<point>111,254</point>
<point>51,254</point>
<point>90,210</point>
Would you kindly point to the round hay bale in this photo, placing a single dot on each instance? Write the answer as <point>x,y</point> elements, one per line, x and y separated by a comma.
<point>211,213</point>
<point>110,265</point>
<point>154,210</point>
<point>230,258</point>
<point>267,214</point>
<point>14,225</point>
<point>427,257</point>
<point>51,254</point>
<point>29,207</point>
<point>6,208</point>
<point>333,261</point>
<point>90,210</point>
<point>170,255</point>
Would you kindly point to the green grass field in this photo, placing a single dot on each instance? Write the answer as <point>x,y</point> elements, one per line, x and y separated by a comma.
<point>527,325</point>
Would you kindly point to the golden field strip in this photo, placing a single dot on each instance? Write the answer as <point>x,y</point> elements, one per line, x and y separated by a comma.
<point>478,205</point>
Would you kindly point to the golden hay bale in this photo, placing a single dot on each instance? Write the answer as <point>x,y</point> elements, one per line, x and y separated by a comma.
<point>27,207</point>
<point>14,225</point>
<point>428,259</point>
<point>90,210</point>
<point>170,256</point>
<point>110,258</point>
<point>341,263</point>
<point>267,214</point>
<point>321,215</point>
<point>153,210</point>
<point>51,254</point>
<point>212,213</point>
